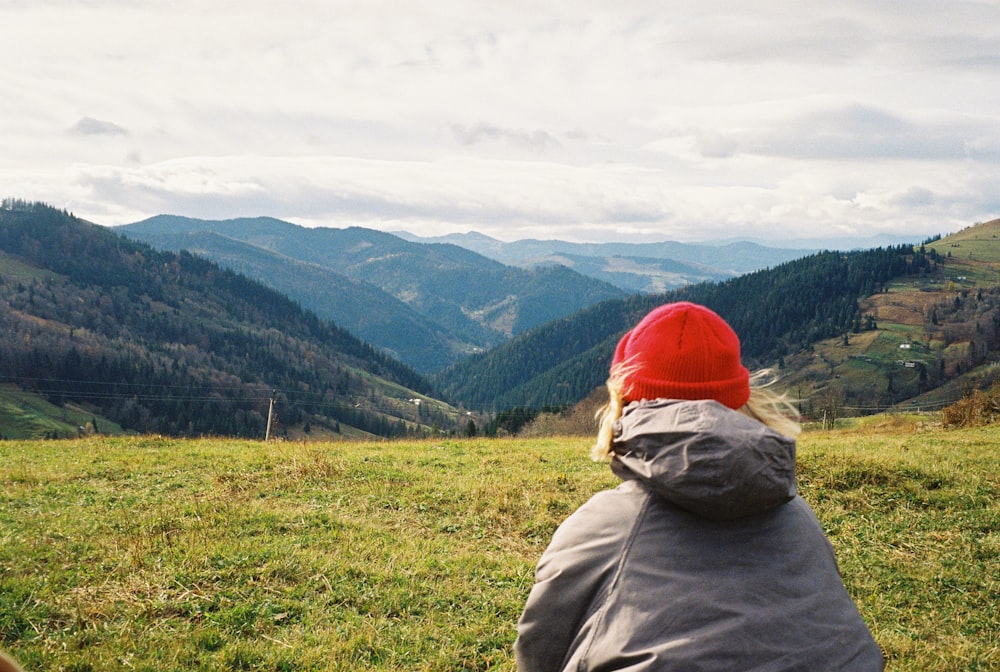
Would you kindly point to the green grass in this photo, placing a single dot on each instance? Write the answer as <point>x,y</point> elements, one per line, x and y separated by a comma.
<point>161,554</point>
<point>24,415</point>
<point>916,523</point>
<point>981,243</point>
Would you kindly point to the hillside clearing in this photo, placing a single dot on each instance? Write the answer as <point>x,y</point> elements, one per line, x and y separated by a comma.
<point>162,554</point>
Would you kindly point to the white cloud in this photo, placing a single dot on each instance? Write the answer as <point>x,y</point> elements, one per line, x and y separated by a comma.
<point>574,120</point>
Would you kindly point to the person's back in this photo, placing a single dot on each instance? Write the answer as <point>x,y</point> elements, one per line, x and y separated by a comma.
<point>704,558</point>
<point>749,582</point>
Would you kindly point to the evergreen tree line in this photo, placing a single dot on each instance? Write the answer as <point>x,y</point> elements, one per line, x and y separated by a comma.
<point>775,311</point>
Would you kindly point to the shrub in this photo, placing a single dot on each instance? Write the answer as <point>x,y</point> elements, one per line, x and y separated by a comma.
<point>975,409</point>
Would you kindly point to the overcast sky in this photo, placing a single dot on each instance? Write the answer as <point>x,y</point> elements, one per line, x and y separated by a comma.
<point>585,120</point>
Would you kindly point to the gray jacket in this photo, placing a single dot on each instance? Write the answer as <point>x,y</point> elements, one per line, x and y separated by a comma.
<point>703,559</point>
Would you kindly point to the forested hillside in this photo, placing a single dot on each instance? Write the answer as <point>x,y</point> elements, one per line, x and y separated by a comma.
<point>365,310</point>
<point>170,343</point>
<point>429,304</point>
<point>775,311</point>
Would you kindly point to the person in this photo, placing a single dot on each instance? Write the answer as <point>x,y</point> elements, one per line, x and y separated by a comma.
<point>704,557</point>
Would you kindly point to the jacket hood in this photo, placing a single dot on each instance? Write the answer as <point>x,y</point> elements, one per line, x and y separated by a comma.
<point>704,457</point>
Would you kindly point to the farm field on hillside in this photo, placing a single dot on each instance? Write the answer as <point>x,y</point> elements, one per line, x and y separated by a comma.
<point>162,554</point>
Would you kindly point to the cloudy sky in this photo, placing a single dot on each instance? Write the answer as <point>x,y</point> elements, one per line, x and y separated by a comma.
<point>585,120</point>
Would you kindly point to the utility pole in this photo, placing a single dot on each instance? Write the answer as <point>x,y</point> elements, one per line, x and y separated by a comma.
<point>270,416</point>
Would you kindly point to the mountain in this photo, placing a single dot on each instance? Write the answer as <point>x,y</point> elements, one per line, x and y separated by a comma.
<point>171,343</point>
<point>902,328</point>
<point>427,304</point>
<point>372,314</point>
<point>635,267</point>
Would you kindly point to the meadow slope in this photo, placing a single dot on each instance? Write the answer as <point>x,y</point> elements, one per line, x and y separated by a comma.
<point>163,554</point>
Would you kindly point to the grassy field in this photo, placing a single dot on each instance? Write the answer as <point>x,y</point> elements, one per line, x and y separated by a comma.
<point>161,554</point>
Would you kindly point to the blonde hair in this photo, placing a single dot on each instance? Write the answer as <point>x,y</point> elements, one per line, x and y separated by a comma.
<point>775,410</point>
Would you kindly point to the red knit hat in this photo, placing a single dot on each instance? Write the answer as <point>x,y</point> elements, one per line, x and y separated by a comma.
<point>683,351</point>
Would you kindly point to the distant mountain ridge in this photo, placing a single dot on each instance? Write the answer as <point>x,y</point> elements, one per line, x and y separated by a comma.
<point>427,304</point>
<point>636,267</point>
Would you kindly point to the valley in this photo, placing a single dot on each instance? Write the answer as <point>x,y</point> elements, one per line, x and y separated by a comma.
<point>107,332</point>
